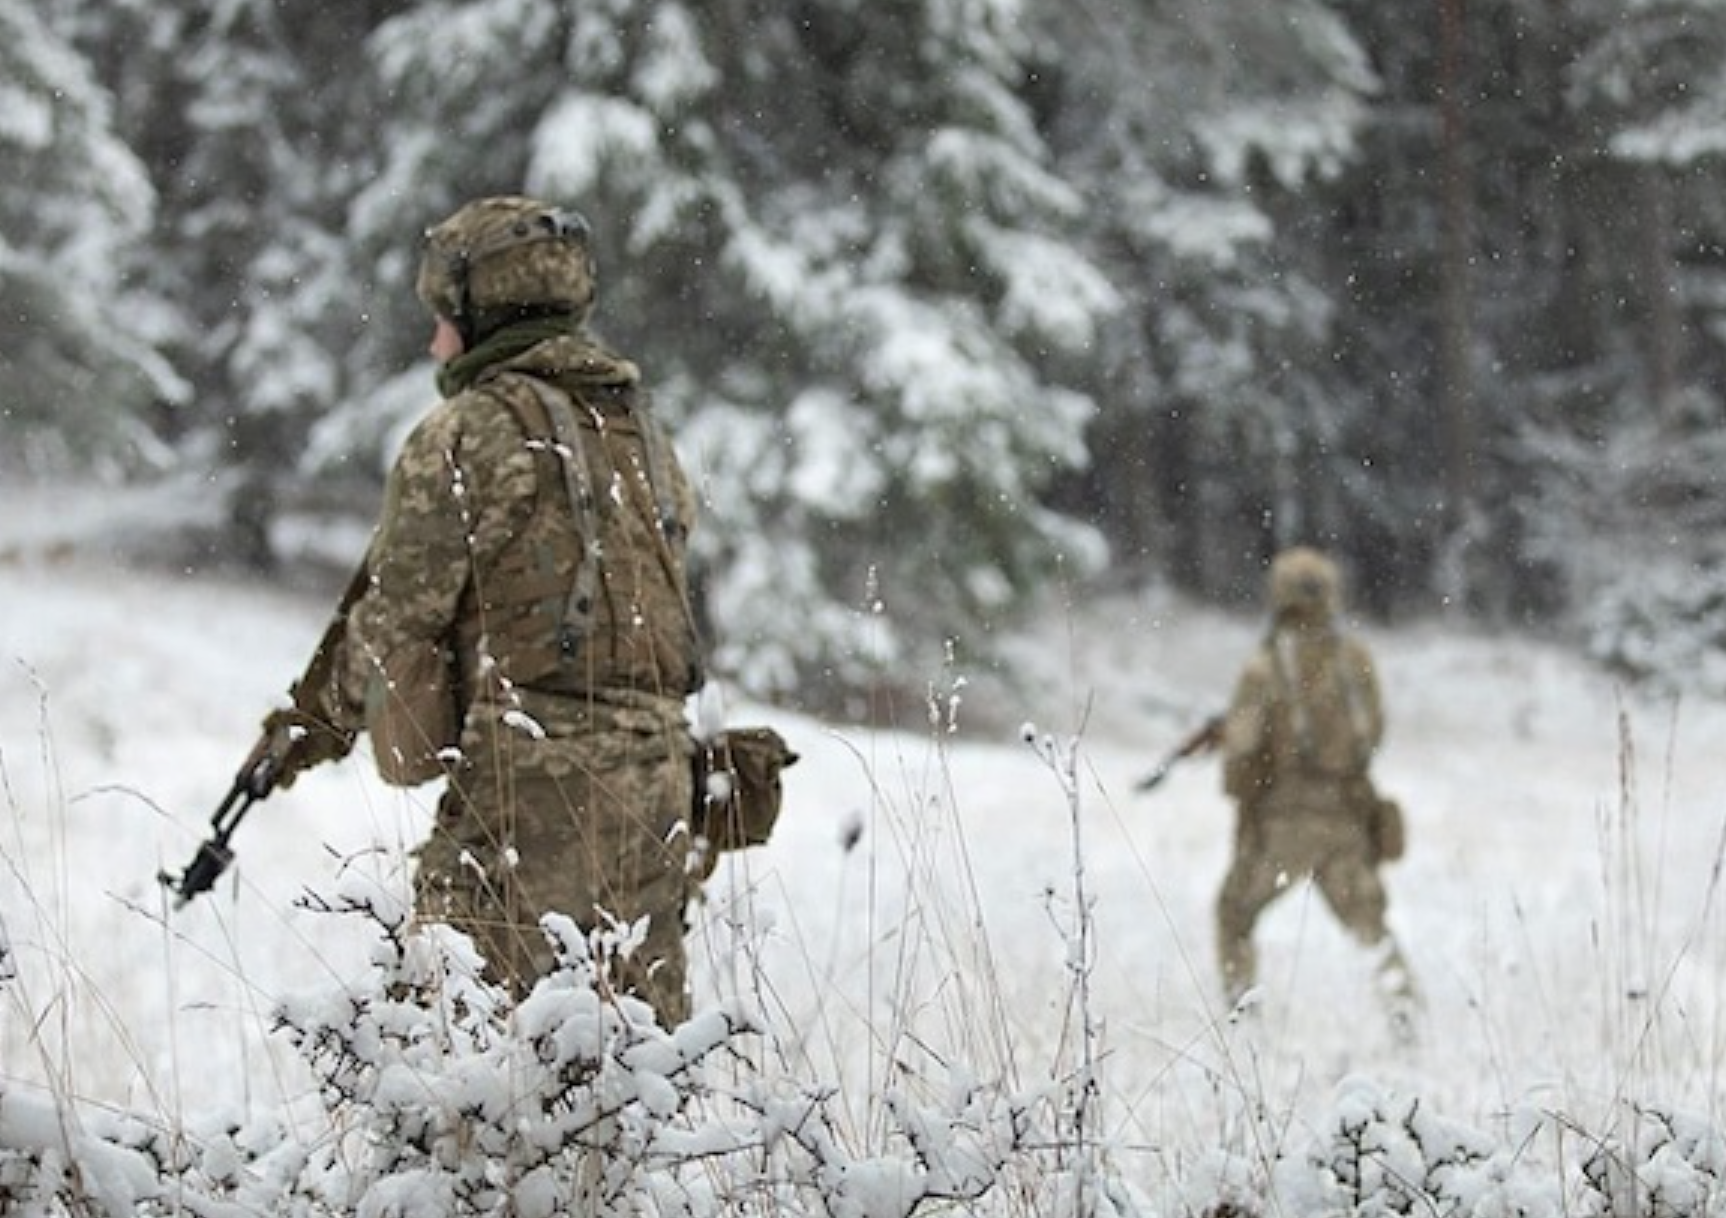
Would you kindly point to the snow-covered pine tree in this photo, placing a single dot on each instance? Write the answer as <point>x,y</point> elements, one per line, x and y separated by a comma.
<point>834,240</point>
<point>276,122</point>
<point>922,283</point>
<point>251,124</point>
<point>1201,130</point>
<point>1587,277</point>
<point>79,342</point>
<point>1624,446</point>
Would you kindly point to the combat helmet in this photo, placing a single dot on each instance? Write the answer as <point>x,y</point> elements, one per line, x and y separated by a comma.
<point>1304,585</point>
<point>500,259</point>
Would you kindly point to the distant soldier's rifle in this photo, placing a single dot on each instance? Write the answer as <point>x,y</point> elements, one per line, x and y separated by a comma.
<point>1207,736</point>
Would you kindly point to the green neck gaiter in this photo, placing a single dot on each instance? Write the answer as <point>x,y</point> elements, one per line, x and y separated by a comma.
<point>502,344</point>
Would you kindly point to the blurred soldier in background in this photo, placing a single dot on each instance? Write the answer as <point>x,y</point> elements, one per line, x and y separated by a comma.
<point>1298,742</point>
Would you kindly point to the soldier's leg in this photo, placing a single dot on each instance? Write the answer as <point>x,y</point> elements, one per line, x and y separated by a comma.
<point>463,877</point>
<point>1352,887</point>
<point>1251,884</point>
<point>657,971</point>
<point>632,867</point>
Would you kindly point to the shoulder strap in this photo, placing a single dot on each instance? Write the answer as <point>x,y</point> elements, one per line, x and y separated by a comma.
<point>672,527</point>
<point>653,445</point>
<point>584,505</point>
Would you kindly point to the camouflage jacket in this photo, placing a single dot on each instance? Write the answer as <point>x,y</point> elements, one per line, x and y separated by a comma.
<point>1306,707</point>
<point>480,542</point>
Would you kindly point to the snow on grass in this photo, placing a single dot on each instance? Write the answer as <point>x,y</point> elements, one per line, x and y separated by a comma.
<point>916,909</point>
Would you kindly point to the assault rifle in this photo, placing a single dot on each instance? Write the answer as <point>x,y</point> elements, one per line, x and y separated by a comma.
<point>293,740</point>
<point>256,779</point>
<point>1207,736</point>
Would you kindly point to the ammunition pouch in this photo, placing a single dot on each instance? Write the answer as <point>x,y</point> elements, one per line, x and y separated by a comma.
<point>1381,817</point>
<point>738,791</point>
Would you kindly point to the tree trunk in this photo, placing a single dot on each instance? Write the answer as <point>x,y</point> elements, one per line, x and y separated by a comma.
<point>1456,379</point>
<point>1665,335</point>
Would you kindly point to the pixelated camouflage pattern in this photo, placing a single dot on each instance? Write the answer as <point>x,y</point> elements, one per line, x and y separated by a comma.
<point>575,806</point>
<point>514,253</point>
<point>569,785</point>
<point>638,626</point>
<point>1302,727</point>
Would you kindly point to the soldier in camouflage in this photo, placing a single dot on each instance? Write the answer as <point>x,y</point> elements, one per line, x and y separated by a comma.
<point>1298,741</point>
<point>523,625</point>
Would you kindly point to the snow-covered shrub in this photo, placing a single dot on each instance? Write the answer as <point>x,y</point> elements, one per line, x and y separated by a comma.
<point>1380,1153</point>
<point>446,1098</point>
<point>54,1161</point>
<point>1666,1165</point>
<point>438,1095</point>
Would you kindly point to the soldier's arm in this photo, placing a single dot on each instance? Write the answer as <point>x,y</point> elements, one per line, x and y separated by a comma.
<point>455,494</point>
<point>319,723</point>
<point>1246,734</point>
<point>1364,674</point>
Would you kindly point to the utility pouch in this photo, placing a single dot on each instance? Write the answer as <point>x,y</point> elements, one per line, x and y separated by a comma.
<point>737,788</point>
<point>1389,834</point>
<point>1382,818</point>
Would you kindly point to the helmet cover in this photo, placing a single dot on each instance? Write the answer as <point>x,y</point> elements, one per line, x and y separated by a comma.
<point>504,257</point>
<point>1304,584</point>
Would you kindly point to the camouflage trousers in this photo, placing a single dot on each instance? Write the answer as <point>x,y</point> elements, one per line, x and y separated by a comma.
<point>1277,846</point>
<point>573,809</point>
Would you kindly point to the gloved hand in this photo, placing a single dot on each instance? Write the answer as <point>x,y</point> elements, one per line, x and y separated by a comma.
<point>292,742</point>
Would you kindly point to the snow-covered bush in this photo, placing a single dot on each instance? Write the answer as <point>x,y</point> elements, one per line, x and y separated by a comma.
<point>1381,1153</point>
<point>1664,1165</point>
<point>435,1093</point>
<point>438,1095</point>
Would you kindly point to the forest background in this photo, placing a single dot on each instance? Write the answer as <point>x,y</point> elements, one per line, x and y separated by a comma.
<point>1059,290</point>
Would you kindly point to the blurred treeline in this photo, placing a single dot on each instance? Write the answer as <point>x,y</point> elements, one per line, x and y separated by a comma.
<point>949,302</point>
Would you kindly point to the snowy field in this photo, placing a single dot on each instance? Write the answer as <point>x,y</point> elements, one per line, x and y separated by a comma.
<point>1558,901</point>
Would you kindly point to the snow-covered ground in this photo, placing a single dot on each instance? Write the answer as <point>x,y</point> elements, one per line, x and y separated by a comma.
<point>1557,902</point>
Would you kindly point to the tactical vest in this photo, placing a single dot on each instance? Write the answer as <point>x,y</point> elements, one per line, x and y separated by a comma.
<point>590,593</point>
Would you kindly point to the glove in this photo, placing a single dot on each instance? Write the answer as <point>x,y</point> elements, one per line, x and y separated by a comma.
<point>292,742</point>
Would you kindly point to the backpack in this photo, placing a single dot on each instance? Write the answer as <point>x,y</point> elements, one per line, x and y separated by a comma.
<point>540,619</point>
<point>546,600</point>
<point>1328,715</point>
<point>737,788</point>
